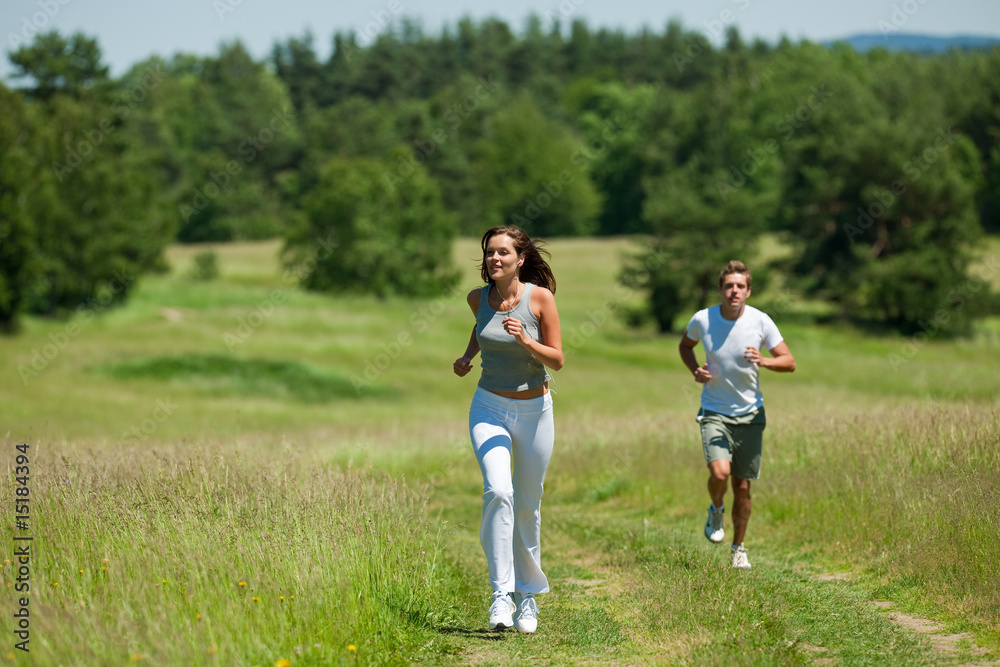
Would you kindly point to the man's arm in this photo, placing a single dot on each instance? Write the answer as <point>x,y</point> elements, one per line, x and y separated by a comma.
<point>780,361</point>
<point>686,349</point>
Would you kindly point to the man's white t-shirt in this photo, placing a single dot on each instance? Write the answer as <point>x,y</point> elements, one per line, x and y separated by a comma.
<point>734,388</point>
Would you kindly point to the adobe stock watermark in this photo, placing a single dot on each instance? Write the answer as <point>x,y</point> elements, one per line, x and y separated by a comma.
<point>266,308</point>
<point>380,21</point>
<point>757,157</point>
<point>81,150</point>
<point>223,7</point>
<point>140,432</point>
<point>695,47</point>
<point>956,300</point>
<point>426,147</point>
<point>583,156</point>
<point>30,27</point>
<point>563,11</point>
<point>371,30</point>
<point>41,357</point>
<point>248,149</point>
<point>391,350</point>
<point>900,15</point>
<point>249,323</point>
<point>912,170</point>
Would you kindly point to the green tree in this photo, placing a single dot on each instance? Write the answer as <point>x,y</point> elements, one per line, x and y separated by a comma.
<point>97,224</point>
<point>535,173</point>
<point>968,83</point>
<point>711,188</point>
<point>17,235</point>
<point>613,120</point>
<point>879,195</point>
<point>296,64</point>
<point>229,144</point>
<point>57,64</point>
<point>362,234</point>
<point>80,196</point>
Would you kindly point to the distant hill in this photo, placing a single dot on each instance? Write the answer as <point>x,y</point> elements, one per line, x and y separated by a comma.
<point>899,41</point>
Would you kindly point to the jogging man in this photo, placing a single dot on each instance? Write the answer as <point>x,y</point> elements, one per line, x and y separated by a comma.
<point>732,406</point>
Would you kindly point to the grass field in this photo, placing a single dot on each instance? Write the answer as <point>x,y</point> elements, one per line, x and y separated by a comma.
<point>237,472</point>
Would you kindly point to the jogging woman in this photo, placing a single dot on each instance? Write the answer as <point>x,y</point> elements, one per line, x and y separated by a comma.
<point>510,420</point>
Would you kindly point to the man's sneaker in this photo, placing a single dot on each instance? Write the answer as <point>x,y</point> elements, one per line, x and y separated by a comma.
<point>501,611</point>
<point>526,616</point>
<point>713,527</point>
<point>740,560</point>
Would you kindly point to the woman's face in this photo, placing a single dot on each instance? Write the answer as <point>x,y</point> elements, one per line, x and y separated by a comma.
<point>501,257</point>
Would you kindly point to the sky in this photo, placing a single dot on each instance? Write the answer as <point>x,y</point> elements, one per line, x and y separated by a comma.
<point>129,31</point>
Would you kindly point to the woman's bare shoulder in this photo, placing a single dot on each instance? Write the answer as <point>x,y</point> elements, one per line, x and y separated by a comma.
<point>474,297</point>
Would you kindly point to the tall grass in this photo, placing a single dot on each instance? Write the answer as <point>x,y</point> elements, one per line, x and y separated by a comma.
<point>907,497</point>
<point>193,555</point>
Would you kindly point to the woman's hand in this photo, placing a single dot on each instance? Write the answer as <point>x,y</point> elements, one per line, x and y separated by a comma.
<point>515,328</point>
<point>462,366</point>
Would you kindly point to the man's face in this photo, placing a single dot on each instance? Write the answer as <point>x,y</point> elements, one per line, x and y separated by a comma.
<point>734,291</point>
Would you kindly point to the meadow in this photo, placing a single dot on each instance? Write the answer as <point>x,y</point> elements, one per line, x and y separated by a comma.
<point>237,472</point>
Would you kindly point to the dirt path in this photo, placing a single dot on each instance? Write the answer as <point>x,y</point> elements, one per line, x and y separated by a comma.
<point>949,645</point>
<point>952,644</point>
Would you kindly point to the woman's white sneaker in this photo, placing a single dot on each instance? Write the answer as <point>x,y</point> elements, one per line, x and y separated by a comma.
<point>501,611</point>
<point>526,616</point>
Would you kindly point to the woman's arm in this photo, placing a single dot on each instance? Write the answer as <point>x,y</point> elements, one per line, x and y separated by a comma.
<point>550,352</point>
<point>463,364</point>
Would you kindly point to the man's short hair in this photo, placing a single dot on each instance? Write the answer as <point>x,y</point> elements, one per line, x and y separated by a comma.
<point>735,266</point>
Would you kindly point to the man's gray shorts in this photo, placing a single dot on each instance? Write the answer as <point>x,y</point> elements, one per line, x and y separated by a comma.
<point>738,440</point>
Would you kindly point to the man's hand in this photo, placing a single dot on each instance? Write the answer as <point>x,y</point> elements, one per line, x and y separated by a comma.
<point>702,375</point>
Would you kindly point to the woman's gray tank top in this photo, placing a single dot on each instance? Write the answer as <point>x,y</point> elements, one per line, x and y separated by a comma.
<point>507,366</point>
